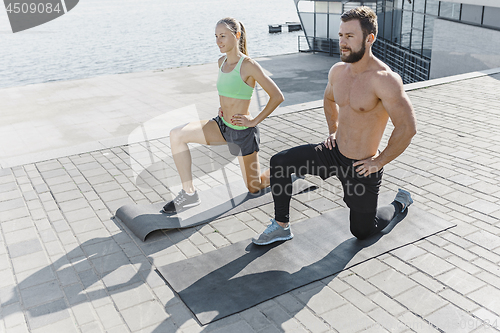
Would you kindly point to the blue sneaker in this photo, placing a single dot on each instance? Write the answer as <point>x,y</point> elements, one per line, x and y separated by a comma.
<point>404,198</point>
<point>273,233</point>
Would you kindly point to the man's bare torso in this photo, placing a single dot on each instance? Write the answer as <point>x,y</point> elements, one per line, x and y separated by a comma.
<point>362,117</point>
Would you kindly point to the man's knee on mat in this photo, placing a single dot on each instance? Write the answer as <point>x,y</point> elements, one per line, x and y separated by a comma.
<point>360,233</point>
<point>362,225</point>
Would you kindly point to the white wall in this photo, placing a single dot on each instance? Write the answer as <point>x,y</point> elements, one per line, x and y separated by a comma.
<point>491,3</point>
<point>334,26</point>
<point>307,23</point>
<point>460,48</point>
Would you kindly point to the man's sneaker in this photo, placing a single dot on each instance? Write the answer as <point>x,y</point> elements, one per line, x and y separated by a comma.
<point>273,233</point>
<point>404,198</point>
<point>181,202</point>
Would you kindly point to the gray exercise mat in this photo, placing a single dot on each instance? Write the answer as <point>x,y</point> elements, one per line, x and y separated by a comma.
<point>234,278</point>
<point>216,202</point>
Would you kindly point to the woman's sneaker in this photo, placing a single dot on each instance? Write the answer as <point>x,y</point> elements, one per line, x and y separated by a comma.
<point>273,233</point>
<point>181,202</point>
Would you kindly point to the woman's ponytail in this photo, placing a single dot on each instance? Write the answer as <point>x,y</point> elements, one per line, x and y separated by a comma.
<point>243,40</point>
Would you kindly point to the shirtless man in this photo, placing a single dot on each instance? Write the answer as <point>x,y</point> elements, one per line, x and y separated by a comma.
<point>361,95</point>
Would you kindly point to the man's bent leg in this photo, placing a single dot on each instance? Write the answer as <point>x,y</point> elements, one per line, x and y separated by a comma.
<point>299,160</point>
<point>364,225</point>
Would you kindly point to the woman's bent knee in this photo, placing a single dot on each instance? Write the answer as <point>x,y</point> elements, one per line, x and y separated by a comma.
<point>253,190</point>
<point>175,134</point>
<point>254,186</point>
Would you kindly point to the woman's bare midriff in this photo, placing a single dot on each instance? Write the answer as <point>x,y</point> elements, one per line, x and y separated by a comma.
<point>231,106</point>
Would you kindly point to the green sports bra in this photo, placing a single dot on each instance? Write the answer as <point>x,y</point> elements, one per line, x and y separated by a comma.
<point>231,84</point>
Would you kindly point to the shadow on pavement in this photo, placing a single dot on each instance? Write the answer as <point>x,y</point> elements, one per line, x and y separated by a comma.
<point>341,255</point>
<point>101,259</point>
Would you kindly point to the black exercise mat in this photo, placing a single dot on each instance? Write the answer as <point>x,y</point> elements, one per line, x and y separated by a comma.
<point>234,278</point>
<point>216,202</point>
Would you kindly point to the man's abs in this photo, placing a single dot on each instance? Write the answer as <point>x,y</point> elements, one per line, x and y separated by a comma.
<point>359,134</point>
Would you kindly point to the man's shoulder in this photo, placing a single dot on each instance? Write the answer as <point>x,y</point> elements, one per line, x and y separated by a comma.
<point>336,68</point>
<point>383,75</point>
<point>386,82</point>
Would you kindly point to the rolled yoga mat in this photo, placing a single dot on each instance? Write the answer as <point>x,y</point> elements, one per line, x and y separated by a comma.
<point>234,278</point>
<point>217,202</point>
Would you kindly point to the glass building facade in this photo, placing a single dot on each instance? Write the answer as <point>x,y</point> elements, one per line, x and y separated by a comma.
<point>405,34</point>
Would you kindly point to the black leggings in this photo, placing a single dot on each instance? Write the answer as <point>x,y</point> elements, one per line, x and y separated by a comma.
<point>360,193</point>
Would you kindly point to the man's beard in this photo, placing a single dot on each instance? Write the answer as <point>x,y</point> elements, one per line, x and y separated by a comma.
<point>353,56</point>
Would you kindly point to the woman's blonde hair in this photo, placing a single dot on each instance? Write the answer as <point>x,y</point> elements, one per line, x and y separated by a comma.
<point>236,26</point>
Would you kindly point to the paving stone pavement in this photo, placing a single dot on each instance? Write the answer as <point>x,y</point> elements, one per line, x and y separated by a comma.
<point>67,265</point>
<point>62,118</point>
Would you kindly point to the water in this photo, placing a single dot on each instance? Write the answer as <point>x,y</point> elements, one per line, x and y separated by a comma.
<point>120,36</point>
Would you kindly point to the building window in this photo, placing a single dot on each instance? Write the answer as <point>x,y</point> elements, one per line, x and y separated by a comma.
<point>419,6</point>
<point>428,32</point>
<point>321,7</point>
<point>491,17</point>
<point>449,10</point>
<point>306,6</point>
<point>472,14</point>
<point>406,29</point>
<point>432,7</point>
<point>335,8</point>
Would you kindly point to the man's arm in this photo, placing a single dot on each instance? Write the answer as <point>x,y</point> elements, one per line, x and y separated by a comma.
<point>398,106</point>
<point>331,111</point>
<point>389,88</point>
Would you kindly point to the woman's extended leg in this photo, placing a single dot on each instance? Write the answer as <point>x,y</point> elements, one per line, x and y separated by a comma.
<point>250,169</point>
<point>204,132</point>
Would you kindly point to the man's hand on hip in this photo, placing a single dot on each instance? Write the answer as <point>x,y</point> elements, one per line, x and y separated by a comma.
<point>367,166</point>
<point>330,141</point>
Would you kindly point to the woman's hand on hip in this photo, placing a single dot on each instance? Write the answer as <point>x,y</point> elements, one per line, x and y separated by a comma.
<point>243,120</point>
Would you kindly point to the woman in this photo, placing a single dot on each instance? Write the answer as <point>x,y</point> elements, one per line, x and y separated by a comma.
<point>233,126</point>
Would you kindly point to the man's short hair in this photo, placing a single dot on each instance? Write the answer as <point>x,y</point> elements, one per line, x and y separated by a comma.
<point>367,18</point>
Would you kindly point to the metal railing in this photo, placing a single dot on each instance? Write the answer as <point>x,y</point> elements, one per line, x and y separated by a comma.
<point>318,44</point>
<point>412,66</point>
